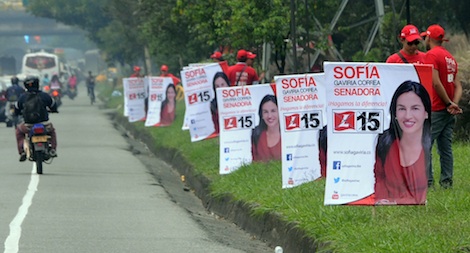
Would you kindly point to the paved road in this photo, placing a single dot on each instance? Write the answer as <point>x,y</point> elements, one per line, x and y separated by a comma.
<point>104,193</point>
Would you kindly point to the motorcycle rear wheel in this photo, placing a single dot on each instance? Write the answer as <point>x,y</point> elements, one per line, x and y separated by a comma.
<point>39,157</point>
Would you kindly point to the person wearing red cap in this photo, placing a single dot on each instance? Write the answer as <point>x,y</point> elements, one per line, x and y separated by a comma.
<point>136,72</point>
<point>445,99</point>
<point>217,56</point>
<point>409,53</point>
<point>241,73</point>
<point>165,73</point>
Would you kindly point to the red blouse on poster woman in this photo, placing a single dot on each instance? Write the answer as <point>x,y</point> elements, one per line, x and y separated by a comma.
<point>166,118</point>
<point>397,184</point>
<point>264,153</point>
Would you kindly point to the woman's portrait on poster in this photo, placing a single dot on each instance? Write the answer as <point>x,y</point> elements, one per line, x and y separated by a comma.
<point>167,113</point>
<point>220,80</point>
<point>266,137</point>
<point>403,150</point>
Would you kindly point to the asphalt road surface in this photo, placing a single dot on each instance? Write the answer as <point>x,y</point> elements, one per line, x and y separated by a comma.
<point>104,193</point>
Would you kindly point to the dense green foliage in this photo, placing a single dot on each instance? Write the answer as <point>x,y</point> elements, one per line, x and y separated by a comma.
<point>179,32</point>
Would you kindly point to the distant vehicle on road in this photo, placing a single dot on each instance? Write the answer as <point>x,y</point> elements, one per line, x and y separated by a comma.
<point>40,63</point>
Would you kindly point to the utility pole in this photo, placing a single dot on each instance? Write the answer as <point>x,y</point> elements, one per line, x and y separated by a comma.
<point>293,34</point>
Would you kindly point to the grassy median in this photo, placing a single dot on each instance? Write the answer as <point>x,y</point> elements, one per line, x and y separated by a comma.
<point>443,225</point>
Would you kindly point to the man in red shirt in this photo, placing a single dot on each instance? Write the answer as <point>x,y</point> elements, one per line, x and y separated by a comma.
<point>409,53</point>
<point>445,99</point>
<point>241,73</point>
<point>136,72</point>
<point>165,73</point>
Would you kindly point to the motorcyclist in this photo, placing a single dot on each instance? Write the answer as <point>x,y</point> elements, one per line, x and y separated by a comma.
<point>45,80</point>
<point>12,94</point>
<point>90,84</point>
<point>31,84</point>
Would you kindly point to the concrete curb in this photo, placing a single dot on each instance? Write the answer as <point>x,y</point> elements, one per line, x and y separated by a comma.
<point>268,227</point>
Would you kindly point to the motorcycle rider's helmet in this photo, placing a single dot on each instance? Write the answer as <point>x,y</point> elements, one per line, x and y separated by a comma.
<point>15,80</point>
<point>31,83</point>
<point>136,68</point>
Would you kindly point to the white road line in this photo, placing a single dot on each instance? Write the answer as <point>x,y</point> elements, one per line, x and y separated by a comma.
<point>13,239</point>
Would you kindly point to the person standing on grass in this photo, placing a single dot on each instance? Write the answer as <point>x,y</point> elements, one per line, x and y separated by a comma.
<point>445,100</point>
<point>241,73</point>
<point>410,39</point>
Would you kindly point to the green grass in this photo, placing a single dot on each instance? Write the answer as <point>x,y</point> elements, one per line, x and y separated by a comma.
<point>443,225</point>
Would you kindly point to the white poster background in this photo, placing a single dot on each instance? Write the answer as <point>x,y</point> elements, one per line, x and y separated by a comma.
<point>134,98</point>
<point>238,114</point>
<point>157,94</point>
<point>198,94</point>
<point>301,100</point>
<point>355,122</point>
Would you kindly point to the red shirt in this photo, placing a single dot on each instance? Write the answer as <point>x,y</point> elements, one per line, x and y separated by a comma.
<point>166,118</point>
<point>264,153</point>
<point>395,183</point>
<point>248,74</point>
<point>175,79</point>
<point>415,58</point>
<point>447,67</point>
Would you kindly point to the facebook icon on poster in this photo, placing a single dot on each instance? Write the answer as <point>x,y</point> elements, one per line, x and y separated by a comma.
<point>289,157</point>
<point>226,150</point>
<point>336,165</point>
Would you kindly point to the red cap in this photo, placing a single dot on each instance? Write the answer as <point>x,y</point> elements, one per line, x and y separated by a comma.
<point>435,32</point>
<point>410,33</point>
<point>164,68</point>
<point>216,55</point>
<point>136,68</point>
<point>242,53</point>
<point>250,55</point>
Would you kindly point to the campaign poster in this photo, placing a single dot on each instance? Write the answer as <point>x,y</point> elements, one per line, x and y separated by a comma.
<point>302,113</point>
<point>134,99</point>
<point>199,85</point>
<point>161,101</point>
<point>378,133</point>
<point>243,127</point>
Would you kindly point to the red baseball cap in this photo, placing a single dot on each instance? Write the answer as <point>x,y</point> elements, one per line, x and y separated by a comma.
<point>241,54</point>
<point>435,32</point>
<point>250,55</point>
<point>216,55</point>
<point>164,68</point>
<point>410,33</point>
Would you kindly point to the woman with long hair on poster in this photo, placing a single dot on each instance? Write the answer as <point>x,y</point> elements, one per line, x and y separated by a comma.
<point>167,113</point>
<point>220,80</point>
<point>266,137</point>
<point>403,150</point>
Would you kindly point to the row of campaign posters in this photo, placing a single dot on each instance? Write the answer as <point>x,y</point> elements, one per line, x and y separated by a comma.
<point>365,127</point>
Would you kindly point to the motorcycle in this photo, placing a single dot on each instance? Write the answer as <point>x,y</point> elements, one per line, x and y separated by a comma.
<point>12,119</point>
<point>37,146</point>
<point>56,95</point>
<point>72,92</point>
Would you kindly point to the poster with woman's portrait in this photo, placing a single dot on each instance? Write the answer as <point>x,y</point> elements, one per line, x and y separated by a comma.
<point>249,126</point>
<point>302,113</point>
<point>199,94</point>
<point>378,133</point>
<point>161,101</point>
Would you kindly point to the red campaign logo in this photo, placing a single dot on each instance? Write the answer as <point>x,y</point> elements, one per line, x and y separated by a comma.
<point>192,98</point>
<point>344,121</point>
<point>292,121</point>
<point>153,97</point>
<point>132,96</point>
<point>230,123</point>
